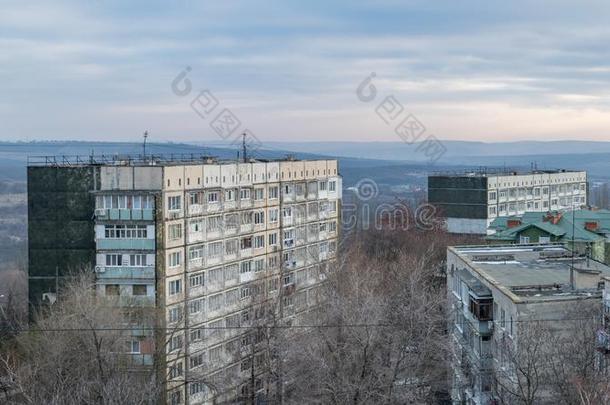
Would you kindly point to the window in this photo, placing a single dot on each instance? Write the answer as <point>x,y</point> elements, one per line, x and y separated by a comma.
<point>332,186</point>
<point>175,314</point>
<point>195,252</point>
<point>174,203</point>
<point>492,195</point>
<point>322,186</point>
<point>272,239</point>
<point>481,309</point>
<point>196,280</point>
<point>230,195</point>
<point>259,241</point>
<point>125,232</point>
<point>244,194</point>
<point>231,246</point>
<point>544,239</point>
<point>175,371</point>
<point>212,197</point>
<point>175,398</point>
<point>215,249</point>
<point>259,265</point>
<point>175,231</point>
<point>245,267</point>
<point>273,285</point>
<point>138,289</point>
<point>245,292</point>
<point>175,259</point>
<point>175,343</point>
<point>196,360</point>
<point>273,215</point>
<point>196,387</point>
<point>288,279</point>
<point>231,272</point>
<point>195,198</point>
<point>137,260</point>
<point>259,194</point>
<point>196,226</point>
<point>196,306</point>
<point>524,239</point>
<point>214,223</point>
<point>196,334</point>
<point>273,192</point>
<point>175,287</point>
<point>259,217</point>
<point>287,212</point>
<point>215,302</point>
<point>272,262</point>
<point>246,243</point>
<point>114,260</point>
<point>112,290</point>
<point>133,346</point>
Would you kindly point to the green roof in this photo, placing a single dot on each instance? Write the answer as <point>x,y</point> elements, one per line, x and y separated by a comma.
<point>562,230</point>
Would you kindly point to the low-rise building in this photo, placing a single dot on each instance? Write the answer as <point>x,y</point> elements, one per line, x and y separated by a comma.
<point>471,201</point>
<point>494,291</point>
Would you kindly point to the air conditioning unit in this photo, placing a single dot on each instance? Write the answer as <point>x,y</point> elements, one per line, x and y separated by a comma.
<point>100,269</point>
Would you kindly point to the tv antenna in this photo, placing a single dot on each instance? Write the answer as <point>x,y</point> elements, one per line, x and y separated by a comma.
<point>243,146</point>
<point>144,145</point>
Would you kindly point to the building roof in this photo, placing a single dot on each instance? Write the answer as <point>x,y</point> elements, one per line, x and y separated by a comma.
<point>496,172</point>
<point>531,272</point>
<point>571,224</point>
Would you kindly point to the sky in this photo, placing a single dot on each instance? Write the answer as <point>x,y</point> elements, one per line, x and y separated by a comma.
<point>290,71</point>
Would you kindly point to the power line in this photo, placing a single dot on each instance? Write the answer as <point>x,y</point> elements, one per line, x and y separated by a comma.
<point>320,326</point>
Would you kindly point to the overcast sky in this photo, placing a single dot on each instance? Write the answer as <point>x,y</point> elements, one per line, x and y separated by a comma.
<point>473,70</point>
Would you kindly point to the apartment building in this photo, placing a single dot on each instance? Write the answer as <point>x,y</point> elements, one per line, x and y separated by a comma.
<point>198,242</point>
<point>470,201</point>
<point>496,291</point>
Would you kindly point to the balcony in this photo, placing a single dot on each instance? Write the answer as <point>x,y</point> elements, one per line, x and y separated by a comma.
<point>125,272</point>
<point>125,214</point>
<point>125,244</point>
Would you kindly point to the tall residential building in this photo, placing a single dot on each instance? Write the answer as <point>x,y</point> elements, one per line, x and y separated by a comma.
<point>196,241</point>
<point>496,292</point>
<point>470,201</point>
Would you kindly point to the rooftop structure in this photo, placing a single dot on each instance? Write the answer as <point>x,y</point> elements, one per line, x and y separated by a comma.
<point>495,291</point>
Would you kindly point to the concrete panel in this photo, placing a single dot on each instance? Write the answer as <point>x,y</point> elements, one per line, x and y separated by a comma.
<point>467,226</point>
<point>148,178</point>
<point>228,174</point>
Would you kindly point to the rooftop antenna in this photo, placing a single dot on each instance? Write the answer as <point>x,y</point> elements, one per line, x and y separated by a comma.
<point>243,146</point>
<point>573,247</point>
<point>144,145</point>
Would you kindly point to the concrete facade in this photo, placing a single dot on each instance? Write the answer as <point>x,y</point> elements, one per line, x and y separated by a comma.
<point>471,201</point>
<point>200,246</point>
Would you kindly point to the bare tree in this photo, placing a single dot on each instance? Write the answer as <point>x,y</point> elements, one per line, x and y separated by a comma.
<point>76,353</point>
<point>379,337</point>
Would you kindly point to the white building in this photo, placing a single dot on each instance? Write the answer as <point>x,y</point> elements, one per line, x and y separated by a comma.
<point>493,291</point>
<point>470,201</point>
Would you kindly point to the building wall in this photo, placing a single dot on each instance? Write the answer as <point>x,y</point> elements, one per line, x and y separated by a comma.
<point>481,197</point>
<point>230,190</point>
<point>61,236</point>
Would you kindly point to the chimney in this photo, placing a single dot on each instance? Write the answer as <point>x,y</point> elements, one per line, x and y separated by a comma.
<point>512,223</point>
<point>552,217</point>
<point>591,226</point>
